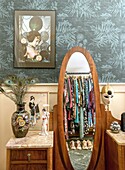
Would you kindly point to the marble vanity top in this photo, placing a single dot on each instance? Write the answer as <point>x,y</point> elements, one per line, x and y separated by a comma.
<point>32,140</point>
<point>119,138</point>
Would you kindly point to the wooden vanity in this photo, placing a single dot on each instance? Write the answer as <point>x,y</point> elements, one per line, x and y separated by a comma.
<point>115,150</point>
<point>33,152</point>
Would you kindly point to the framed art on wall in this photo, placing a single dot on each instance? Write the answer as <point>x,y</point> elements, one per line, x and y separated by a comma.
<point>34,45</point>
<point>35,103</point>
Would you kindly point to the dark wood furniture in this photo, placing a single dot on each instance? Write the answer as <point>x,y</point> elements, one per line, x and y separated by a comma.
<point>32,152</point>
<point>115,150</point>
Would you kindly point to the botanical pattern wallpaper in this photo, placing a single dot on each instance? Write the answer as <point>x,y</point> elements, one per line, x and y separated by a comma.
<point>97,25</point>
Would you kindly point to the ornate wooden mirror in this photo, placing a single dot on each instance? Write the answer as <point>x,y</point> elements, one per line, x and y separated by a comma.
<point>97,156</point>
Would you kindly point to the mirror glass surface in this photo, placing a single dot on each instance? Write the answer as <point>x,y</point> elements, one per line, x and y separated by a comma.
<point>79,111</point>
<point>77,64</point>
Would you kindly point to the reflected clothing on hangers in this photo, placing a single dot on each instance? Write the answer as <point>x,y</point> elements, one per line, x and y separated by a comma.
<point>79,105</point>
<point>65,101</point>
<point>76,101</point>
<point>81,131</point>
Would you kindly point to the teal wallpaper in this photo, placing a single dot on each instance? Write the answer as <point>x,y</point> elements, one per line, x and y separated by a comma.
<point>97,25</point>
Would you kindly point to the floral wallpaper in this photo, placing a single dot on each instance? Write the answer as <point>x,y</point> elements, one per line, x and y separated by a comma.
<point>97,25</point>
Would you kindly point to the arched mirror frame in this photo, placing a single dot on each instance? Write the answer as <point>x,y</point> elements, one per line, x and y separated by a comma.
<point>97,158</point>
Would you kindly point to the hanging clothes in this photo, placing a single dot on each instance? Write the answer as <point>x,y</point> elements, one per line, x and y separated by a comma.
<point>65,101</point>
<point>81,130</point>
<point>79,105</point>
<point>76,101</point>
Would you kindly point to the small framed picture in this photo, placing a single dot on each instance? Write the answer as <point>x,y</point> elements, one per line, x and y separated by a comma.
<point>34,45</point>
<point>36,103</point>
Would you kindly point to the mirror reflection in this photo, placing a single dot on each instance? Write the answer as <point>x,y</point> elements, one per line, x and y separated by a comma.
<point>79,111</point>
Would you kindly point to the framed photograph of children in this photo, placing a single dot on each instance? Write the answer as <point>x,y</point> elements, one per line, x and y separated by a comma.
<point>34,45</point>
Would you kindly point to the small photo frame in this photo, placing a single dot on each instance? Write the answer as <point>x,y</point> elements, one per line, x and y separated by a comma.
<point>34,45</point>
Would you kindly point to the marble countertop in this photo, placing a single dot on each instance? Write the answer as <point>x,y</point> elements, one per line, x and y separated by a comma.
<point>32,140</point>
<point>119,138</point>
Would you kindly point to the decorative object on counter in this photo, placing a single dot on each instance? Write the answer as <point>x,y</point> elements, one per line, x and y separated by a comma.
<point>20,121</point>
<point>115,127</point>
<point>18,87</point>
<point>107,94</point>
<point>45,121</point>
<point>123,121</point>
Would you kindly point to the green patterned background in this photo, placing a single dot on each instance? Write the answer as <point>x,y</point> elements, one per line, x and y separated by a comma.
<point>97,25</point>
